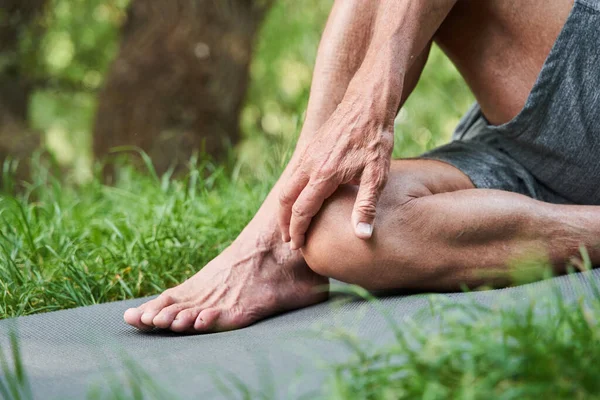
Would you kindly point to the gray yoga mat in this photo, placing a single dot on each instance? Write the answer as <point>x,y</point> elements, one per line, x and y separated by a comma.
<point>68,353</point>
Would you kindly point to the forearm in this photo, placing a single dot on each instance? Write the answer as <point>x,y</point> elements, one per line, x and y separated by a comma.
<point>379,54</point>
<point>343,47</point>
<point>402,33</point>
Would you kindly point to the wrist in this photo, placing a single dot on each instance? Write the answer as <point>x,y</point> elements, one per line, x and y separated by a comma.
<point>379,94</point>
<point>376,112</point>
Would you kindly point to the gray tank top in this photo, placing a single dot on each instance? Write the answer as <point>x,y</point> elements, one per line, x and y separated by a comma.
<point>556,137</point>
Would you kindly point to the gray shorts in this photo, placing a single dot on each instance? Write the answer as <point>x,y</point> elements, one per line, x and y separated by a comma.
<point>551,150</point>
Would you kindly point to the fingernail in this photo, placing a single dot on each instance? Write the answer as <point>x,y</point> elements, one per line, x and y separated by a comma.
<point>293,246</point>
<point>364,229</point>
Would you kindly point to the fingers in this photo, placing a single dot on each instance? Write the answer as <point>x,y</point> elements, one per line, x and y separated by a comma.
<point>307,205</point>
<point>287,197</point>
<point>363,215</point>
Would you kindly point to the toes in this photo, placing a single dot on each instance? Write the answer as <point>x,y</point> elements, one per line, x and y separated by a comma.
<point>133,317</point>
<point>167,315</point>
<point>153,307</point>
<point>207,320</point>
<point>184,321</point>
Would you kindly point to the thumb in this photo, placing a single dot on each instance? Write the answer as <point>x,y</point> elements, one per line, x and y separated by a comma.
<point>365,207</point>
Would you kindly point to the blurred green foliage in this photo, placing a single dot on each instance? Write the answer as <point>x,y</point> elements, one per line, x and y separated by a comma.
<point>81,38</point>
<point>281,75</point>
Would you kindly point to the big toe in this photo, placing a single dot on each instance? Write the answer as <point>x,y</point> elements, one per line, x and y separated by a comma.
<point>133,317</point>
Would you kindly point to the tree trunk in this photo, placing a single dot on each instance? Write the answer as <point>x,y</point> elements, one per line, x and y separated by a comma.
<point>17,140</point>
<point>179,79</point>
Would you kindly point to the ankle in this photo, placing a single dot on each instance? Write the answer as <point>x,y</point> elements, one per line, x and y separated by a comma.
<point>266,244</point>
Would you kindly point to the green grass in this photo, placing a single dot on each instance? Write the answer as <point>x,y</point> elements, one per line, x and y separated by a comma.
<point>546,348</point>
<point>64,246</point>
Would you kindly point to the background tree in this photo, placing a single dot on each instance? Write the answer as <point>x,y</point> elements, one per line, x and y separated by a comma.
<point>20,35</point>
<point>179,79</point>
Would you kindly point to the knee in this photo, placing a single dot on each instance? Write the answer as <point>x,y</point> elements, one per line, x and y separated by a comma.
<point>329,238</point>
<point>333,250</point>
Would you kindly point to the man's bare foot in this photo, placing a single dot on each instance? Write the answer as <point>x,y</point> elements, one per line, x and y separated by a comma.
<point>234,290</point>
